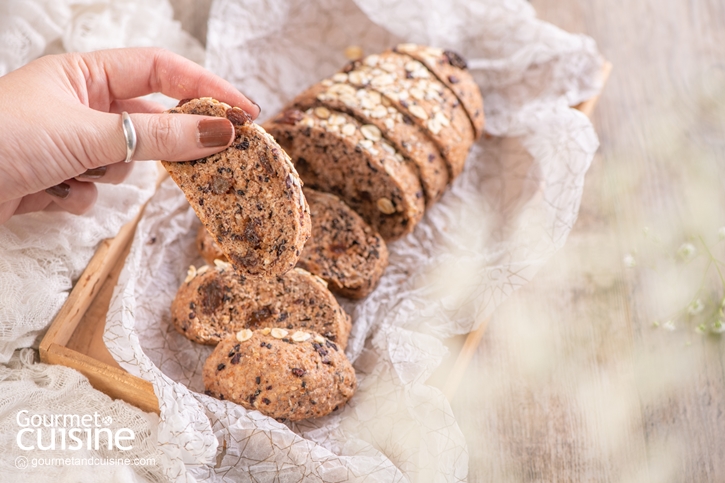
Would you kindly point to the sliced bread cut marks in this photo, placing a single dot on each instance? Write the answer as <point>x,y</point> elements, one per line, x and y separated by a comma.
<point>451,69</point>
<point>370,107</point>
<point>333,152</point>
<point>414,91</point>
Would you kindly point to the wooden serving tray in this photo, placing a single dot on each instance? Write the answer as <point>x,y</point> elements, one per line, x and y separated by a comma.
<point>75,337</point>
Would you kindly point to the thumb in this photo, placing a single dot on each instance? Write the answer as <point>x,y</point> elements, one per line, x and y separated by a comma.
<point>168,137</point>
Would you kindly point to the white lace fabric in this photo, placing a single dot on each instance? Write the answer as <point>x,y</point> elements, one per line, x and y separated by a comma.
<point>500,221</point>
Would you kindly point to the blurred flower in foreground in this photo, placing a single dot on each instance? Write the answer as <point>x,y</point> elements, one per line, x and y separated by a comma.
<point>695,307</point>
<point>687,251</point>
<point>629,261</point>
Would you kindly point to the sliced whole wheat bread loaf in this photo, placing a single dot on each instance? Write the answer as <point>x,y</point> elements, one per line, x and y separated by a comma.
<point>334,153</point>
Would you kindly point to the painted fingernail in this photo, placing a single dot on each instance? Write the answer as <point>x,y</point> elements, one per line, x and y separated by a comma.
<point>258,106</point>
<point>94,173</point>
<point>214,133</point>
<point>59,191</point>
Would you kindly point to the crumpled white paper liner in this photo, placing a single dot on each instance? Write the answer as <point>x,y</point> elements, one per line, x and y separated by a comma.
<point>506,215</point>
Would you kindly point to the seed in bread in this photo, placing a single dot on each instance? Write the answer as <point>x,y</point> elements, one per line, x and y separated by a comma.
<point>287,375</point>
<point>451,69</point>
<point>343,250</point>
<point>369,107</point>
<point>334,153</point>
<point>248,196</point>
<point>215,301</point>
<point>414,91</point>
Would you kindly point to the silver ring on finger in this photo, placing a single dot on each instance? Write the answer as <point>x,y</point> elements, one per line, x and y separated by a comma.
<point>129,132</point>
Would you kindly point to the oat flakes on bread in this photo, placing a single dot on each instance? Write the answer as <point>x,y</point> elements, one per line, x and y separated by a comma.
<point>417,93</point>
<point>216,301</point>
<point>369,107</point>
<point>343,250</point>
<point>248,196</point>
<point>451,69</point>
<point>334,153</point>
<point>290,375</point>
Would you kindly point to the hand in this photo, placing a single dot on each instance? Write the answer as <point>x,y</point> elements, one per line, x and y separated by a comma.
<point>61,125</point>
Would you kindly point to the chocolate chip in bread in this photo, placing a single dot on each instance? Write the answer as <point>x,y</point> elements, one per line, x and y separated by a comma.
<point>287,375</point>
<point>215,301</point>
<point>249,196</point>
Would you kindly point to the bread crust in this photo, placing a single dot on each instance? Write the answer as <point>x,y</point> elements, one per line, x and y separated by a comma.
<point>285,375</point>
<point>451,69</point>
<point>414,91</point>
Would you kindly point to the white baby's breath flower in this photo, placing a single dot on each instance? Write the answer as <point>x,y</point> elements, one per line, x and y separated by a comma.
<point>669,325</point>
<point>686,251</point>
<point>695,307</point>
<point>701,329</point>
<point>629,261</point>
<point>718,326</point>
<point>721,233</point>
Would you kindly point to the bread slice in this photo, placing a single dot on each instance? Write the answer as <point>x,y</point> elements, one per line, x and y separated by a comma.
<point>291,376</point>
<point>343,250</point>
<point>415,92</point>
<point>369,107</point>
<point>249,196</point>
<point>215,301</point>
<point>334,153</point>
<point>451,69</point>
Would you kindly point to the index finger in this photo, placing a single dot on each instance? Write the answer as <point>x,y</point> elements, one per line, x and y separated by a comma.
<point>134,72</point>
